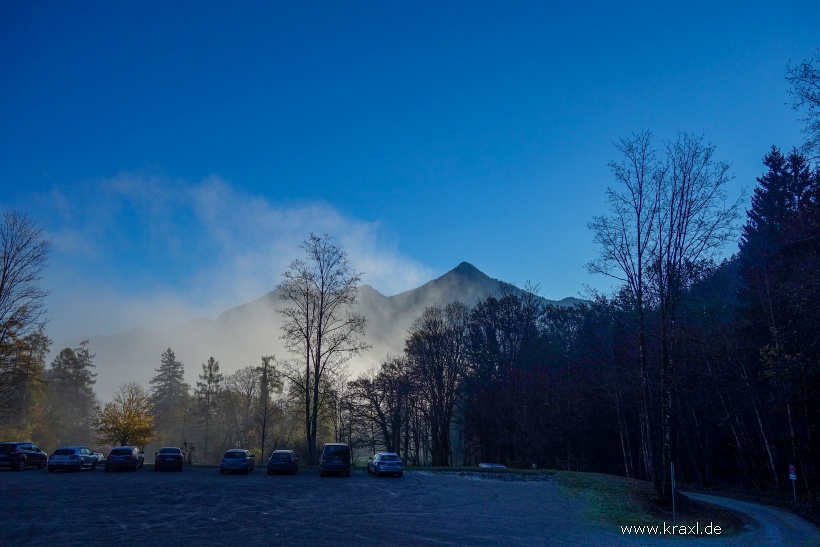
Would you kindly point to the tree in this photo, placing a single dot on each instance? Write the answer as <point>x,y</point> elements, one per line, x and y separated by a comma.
<point>805,91</point>
<point>207,392</point>
<point>71,397</point>
<point>22,260</point>
<point>126,420</point>
<point>437,352</point>
<point>694,223</point>
<point>24,403</point>
<point>320,328</point>
<point>664,232</point>
<point>269,381</point>
<point>625,239</point>
<point>169,397</point>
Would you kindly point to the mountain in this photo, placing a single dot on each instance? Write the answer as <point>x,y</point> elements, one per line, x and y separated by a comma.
<point>240,336</point>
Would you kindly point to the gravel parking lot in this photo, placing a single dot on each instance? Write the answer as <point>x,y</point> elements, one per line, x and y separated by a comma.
<point>201,507</point>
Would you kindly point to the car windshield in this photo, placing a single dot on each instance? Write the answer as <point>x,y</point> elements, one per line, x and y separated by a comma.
<point>121,452</point>
<point>234,455</point>
<point>280,456</point>
<point>170,451</point>
<point>391,458</point>
<point>63,451</point>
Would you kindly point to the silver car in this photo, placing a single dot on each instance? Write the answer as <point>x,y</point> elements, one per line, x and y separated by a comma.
<point>73,458</point>
<point>238,460</point>
<point>383,463</point>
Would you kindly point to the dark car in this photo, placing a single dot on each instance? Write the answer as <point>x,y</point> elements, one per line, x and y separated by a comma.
<point>124,457</point>
<point>72,458</point>
<point>237,459</point>
<point>384,463</point>
<point>284,461</point>
<point>18,455</point>
<point>335,459</point>
<point>168,457</point>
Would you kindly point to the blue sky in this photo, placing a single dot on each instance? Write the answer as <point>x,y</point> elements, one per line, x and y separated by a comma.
<point>178,152</point>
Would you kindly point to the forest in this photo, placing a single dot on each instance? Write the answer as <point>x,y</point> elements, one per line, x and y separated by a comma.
<point>706,363</point>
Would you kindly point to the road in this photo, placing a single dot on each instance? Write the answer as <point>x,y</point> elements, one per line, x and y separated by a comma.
<point>201,507</point>
<point>771,526</point>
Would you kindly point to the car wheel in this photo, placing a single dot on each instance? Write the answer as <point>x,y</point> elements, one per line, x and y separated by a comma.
<point>321,472</point>
<point>93,466</point>
<point>21,464</point>
<point>50,469</point>
<point>401,474</point>
<point>41,464</point>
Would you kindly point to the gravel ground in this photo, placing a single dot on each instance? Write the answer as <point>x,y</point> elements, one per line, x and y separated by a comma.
<point>201,507</point>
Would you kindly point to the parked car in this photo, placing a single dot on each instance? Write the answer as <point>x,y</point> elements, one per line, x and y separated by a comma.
<point>169,457</point>
<point>335,459</point>
<point>285,461</point>
<point>18,455</point>
<point>125,457</point>
<point>383,463</point>
<point>237,459</point>
<point>72,458</point>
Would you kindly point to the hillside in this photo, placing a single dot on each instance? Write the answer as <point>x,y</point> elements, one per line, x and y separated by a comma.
<point>239,336</point>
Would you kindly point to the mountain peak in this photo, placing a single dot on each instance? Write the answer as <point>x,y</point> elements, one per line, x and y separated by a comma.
<point>468,270</point>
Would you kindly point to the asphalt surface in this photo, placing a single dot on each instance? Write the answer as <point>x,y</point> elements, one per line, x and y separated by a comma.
<point>201,507</point>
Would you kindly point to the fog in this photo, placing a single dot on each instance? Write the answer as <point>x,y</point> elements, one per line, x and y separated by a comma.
<point>149,252</point>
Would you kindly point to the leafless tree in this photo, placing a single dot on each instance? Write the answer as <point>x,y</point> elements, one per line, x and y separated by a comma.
<point>663,232</point>
<point>805,91</point>
<point>24,254</point>
<point>320,329</point>
<point>694,223</point>
<point>626,241</point>
<point>437,354</point>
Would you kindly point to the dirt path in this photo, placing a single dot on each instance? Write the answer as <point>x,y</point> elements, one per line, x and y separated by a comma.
<point>771,526</point>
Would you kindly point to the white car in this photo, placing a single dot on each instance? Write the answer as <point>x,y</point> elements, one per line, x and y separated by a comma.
<point>74,458</point>
<point>383,463</point>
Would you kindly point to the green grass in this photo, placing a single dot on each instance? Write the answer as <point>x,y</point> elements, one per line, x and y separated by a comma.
<point>607,498</point>
<point>614,500</point>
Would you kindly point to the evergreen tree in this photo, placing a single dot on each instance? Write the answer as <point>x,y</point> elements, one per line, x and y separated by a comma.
<point>71,398</point>
<point>169,397</point>
<point>207,392</point>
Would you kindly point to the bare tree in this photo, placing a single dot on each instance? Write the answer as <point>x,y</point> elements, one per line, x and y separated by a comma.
<point>626,240</point>
<point>695,221</point>
<point>663,233</point>
<point>437,354</point>
<point>23,258</point>
<point>320,328</point>
<point>805,91</point>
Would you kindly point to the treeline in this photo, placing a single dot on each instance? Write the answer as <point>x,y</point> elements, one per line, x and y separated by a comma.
<point>732,368</point>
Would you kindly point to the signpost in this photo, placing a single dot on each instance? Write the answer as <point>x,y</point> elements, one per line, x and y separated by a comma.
<point>793,477</point>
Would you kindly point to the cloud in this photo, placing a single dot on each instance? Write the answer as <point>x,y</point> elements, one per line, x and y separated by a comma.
<point>142,249</point>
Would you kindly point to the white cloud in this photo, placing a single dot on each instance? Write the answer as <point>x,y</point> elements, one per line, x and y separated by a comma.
<point>147,250</point>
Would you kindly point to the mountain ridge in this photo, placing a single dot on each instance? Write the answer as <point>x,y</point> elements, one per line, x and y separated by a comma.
<point>241,335</point>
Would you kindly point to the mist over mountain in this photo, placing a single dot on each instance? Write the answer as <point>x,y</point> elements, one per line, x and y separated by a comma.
<point>240,336</point>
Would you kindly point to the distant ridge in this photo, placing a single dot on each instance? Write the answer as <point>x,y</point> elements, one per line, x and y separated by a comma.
<point>240,336</point>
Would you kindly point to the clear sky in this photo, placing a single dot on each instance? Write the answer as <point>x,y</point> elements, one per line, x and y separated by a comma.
<point>178,152</point>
